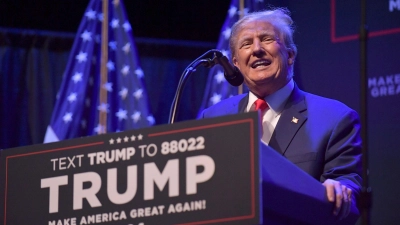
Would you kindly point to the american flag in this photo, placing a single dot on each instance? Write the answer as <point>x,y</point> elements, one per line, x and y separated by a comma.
<point>78,104</point>
<point>217,87</point>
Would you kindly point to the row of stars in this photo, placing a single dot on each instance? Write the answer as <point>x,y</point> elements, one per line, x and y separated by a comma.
<point>87,36</point>
<point>125,139</point>
<point>121,114</point>
<point>77,77</point>
<point>115,23</point>
<point>125,70</point>
<point>73,96</point>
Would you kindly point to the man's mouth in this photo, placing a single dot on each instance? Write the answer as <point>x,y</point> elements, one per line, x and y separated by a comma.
<point>260,63</point>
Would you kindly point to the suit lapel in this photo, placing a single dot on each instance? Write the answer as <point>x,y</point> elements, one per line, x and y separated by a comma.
<point>243,104</point>
<point>292,118</point>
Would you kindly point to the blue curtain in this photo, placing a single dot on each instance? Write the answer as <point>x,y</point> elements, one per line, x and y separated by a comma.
<point>31,68</point>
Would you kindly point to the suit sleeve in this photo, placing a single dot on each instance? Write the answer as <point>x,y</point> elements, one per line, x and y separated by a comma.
<point>343,155</point>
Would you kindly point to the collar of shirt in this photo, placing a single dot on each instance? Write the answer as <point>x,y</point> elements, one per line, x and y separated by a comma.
<point>276,101</point>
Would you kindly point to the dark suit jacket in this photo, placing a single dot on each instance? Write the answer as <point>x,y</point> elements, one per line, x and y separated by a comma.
<point>325,142</point>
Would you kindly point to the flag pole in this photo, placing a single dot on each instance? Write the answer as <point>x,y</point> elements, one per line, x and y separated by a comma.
<point>241,14</point>
<point>103,69</point>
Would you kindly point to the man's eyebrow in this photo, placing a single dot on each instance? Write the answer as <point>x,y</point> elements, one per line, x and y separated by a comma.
<point>267,33</point>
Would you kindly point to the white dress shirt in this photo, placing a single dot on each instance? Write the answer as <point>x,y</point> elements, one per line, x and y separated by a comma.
<point>276,102</point>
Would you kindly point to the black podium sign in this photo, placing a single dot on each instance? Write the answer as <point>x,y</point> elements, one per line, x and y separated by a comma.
<point>195,172</point>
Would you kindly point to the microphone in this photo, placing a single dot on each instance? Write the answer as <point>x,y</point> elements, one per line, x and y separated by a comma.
<point>231,72</point>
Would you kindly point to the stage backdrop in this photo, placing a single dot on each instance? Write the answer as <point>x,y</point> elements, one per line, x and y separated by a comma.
<point>327,65</point>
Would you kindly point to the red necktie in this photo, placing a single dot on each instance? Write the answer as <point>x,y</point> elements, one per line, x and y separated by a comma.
<point>261,104</point>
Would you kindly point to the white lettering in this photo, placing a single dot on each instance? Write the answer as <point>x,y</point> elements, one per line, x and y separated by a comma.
<point>192,177</point>
<point>397,79</point>
<point>371,82</point>
<point>131,188</point>
<point>152,175</point>
<point>375,92</point>
<point>393,4</point>
<point>187,206</point>
<point>89,193</point>
<point>384,85</point>
<point>69,221</point>
<point>114,155</point>
<point>53,183</point>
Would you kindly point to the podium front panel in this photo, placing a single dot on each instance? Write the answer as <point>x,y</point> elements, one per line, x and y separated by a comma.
<point>195,172</point>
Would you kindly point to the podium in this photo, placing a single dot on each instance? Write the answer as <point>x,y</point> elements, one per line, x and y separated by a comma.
<point>210,171</point>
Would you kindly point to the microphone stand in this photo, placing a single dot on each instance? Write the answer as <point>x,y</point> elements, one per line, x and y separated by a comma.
<point>204,60</point>
<point>366,191</point>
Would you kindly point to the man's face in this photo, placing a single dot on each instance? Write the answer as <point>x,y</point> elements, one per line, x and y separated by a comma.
<point>262,58</point>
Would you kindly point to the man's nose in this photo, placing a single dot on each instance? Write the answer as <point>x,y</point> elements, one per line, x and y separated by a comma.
<point>257,48</point>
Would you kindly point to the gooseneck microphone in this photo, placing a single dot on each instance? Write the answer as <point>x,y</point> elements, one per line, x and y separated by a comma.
<point>231,73</point>
<point>208,59</point>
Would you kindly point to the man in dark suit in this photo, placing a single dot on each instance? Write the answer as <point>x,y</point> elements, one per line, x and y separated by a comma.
<point>319,135</point>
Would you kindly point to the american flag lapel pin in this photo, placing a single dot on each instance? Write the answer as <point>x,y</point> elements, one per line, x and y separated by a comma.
<point>295,120</point>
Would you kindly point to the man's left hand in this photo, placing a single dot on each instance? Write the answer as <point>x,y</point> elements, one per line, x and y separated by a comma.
<point>340,195</point>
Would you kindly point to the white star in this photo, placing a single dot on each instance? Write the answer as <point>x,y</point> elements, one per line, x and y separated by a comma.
<point>72,97</point>
<point>232,11</point>
<point>90,14</point>
<point>219,76</point>
<point>140,136</point>
<point>99,129</point>
<point>67,117</point>
<point>245,11</point>
<point>108,86</point>
<point>139,72</point>
<point>114,23</point>
<point>116,3</point>
<point>81,57</point>
<point>118,140</point>
<point>227,33</point>
<point>225,52</point>
<point>125,70</point>
<point>77,77</point>
<point>126,26</point>
<point>215,98</point>
<point>151,120</point>
<point>111,141</point>
<point>86,36</point>
<point>103,107</point>
<point>121,114</point>
<point>123,93</point>
<point>110,66</point>
<point>113,45</point>
<point>138,94</point>
<point>136,116</point>
<point>126,48</point>
<point>126,139</point>
<point>133,138</point>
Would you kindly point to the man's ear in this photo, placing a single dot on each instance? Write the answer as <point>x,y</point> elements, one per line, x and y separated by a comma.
<point>291,56</point>
<point>234,61</point>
